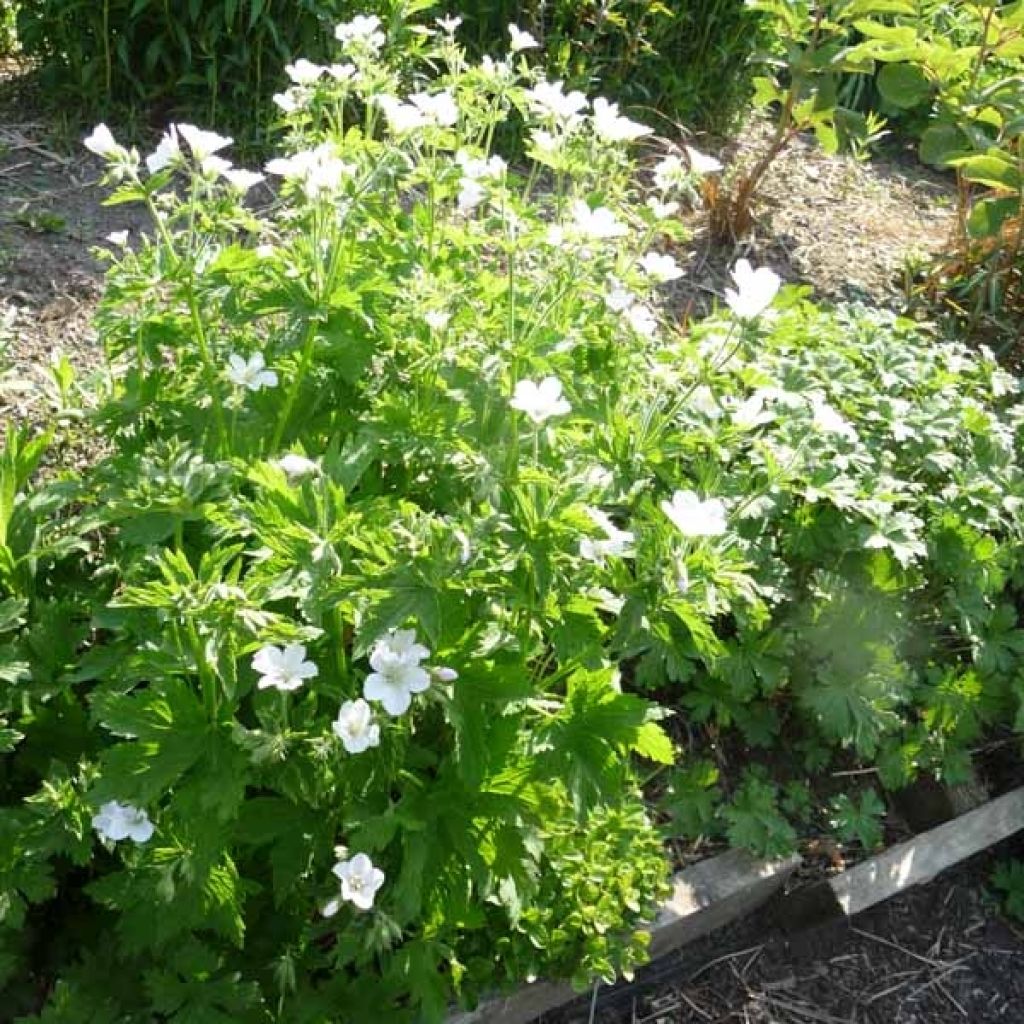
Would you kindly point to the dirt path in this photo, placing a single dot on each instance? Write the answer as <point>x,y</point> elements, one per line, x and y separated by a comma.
<point>51,217</point>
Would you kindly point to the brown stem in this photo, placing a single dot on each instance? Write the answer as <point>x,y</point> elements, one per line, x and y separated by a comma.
<point>734,217</point>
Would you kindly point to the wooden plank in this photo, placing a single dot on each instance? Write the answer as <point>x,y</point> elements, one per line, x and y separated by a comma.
<point>704,897</point>
<point>920,859</point>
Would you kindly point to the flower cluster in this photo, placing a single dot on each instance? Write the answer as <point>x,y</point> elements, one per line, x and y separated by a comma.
<point>203,151</point>
<point>398,672</point>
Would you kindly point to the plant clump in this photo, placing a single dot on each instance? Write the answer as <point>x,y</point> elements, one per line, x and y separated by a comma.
<point>425,532</point>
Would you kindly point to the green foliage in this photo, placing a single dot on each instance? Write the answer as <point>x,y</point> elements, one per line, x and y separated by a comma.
<point>957,68</point>
<point>217,60</point>
<point>969,83</point>
<point>221,61</point>
<point>804,58</point>
<point>8,35</point>
<point>687,59</point>
<point>755,821</point>
<point>692,800</point>
<point>859,819</point>
<point>328,687</point>
<point>1008,878</point>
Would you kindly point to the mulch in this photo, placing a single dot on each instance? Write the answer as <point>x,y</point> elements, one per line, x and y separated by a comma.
<point>939,954</point>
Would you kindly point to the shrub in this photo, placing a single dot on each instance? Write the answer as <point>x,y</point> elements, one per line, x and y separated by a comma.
<point>222,60</point>
<point>959,67</point>
<point>687,60</point>
<point>973,87</point>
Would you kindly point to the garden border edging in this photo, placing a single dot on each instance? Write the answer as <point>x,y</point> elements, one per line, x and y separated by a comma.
<point>705,896</point>
<point>906,864</point>
<point>715,892</point>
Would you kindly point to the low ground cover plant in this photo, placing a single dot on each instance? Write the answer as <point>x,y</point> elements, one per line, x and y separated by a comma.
<point>328,692</point>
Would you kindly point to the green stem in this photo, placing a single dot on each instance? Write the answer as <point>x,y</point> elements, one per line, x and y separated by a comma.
<point>209,371</point>
<point>108,70</point>
<point>293,393</point>
<point>207,683</point>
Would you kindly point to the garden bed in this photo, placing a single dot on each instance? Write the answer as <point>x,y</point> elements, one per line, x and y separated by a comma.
<point>426,545</point>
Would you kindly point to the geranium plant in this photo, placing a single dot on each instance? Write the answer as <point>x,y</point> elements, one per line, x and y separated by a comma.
<point>321,668</point>
<point>328,690</point>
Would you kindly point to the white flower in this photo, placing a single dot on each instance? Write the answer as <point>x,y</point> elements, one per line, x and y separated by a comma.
<point>290,100</point>
<point>549,99</point>
<point>296,466</point>
<point>693,517</point>
<point>546,145</point>
<point>319,170</point>
<point>661,267</point>
<point>618,298</point>
<point>116,821</point>
<point>495,69</point>
<point>102,143</point>
<point>444,674</point>
<point>422,110</point>
<point>397,673</point>
<point>283,670</point>
<point>521,40</point>
<point>212,166</point>
<point>612,127</point>
<point>554,236</point>
<point>448,25</point>
<point>304,72</point>
<point>596,223</point>
<point>202,143</point>
<point>752,413</point>
<point>250,373</point>
<point>616,542</point>
<point>118,238</point>
<point>166,153</point>
<point>343,72</point>
<point>240,179</point>
<point>701,163</point>
<point>326,176</point>
<point>362,32</point>
<point>670,173</point>
<point>436,319</point>
<point>360,881</point>
<point>475,170</point>
<point>755,290</point>
<point>703,400</point>
<point>478,168</point>
<point>540,401</point>
<point>642,319</point>
<point>402,117</point>
<point>471,195</point>
<point>662,210</point>
<point>355,726</point>
<point>438,108</point>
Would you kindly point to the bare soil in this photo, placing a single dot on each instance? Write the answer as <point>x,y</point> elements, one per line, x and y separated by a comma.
<point>854,231</point>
